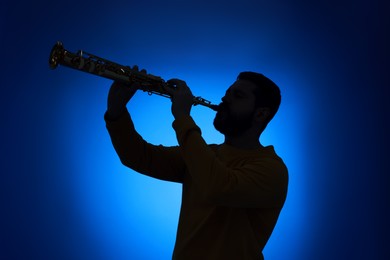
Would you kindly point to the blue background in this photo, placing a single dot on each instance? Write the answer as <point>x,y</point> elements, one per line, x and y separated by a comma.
<point>64,193</point>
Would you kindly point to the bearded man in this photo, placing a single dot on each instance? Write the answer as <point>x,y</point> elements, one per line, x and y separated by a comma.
<point>232,193</point>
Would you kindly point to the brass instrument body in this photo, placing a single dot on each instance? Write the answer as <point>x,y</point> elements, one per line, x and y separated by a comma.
<point>93,64</point>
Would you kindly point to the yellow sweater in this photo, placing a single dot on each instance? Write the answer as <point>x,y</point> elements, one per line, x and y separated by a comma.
<point>231,197</point>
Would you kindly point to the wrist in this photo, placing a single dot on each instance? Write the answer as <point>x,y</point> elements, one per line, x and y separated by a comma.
<point>113,115</point>
<point>180,115</point>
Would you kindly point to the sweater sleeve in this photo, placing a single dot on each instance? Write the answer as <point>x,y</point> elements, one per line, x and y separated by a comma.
<point>157,161</point>
<point>255,183</point>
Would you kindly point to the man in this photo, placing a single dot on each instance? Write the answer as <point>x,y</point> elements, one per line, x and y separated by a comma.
<point>232,192</point>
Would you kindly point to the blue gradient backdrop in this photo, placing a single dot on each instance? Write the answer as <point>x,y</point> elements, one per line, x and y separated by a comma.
<point>64,193</point>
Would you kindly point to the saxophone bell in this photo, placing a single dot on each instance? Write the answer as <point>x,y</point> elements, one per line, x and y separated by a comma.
<point>56,55</point>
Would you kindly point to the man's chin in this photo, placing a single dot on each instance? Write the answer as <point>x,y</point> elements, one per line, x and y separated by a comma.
<point>223,128</point>
<point>230,128</point>
<point>218,124</point>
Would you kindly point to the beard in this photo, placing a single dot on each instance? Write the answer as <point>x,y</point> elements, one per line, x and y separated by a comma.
<point>231,125</point>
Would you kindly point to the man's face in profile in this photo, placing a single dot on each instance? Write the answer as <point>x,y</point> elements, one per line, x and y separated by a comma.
<point>235,113</point>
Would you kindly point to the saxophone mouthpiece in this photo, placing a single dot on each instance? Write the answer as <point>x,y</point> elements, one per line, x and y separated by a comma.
<point>214,107</point>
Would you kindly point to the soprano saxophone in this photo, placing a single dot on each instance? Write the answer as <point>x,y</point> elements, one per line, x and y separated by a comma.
<point>93,64</point>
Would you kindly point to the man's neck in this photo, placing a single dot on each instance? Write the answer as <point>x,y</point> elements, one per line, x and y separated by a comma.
<point>243,142</point>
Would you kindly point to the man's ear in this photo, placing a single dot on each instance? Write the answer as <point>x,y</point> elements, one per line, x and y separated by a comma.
<point>262,113</point>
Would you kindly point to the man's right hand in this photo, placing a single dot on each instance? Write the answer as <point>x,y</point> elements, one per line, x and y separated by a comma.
<point>118,97</point>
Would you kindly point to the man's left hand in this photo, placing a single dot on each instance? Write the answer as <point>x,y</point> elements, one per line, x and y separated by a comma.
<point>181,97</point>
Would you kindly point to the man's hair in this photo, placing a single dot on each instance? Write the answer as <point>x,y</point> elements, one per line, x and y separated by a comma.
<point>267,92</point>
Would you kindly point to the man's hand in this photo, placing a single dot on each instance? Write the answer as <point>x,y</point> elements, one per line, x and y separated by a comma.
<point>181,96</point>
<point>118,97</point>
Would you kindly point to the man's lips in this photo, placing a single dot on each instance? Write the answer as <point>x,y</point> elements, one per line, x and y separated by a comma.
<point>223,110</point>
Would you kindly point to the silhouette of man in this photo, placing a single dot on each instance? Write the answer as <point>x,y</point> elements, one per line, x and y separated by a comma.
<point>232,193</point>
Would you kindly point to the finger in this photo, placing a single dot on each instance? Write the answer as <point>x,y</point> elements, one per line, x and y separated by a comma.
<point>177,82</point>
<point>136,85</point>
<point>169,90</point>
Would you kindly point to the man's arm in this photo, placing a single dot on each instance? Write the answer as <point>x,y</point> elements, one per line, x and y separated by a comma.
<point>156,161</point>
<point>262,183</point>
